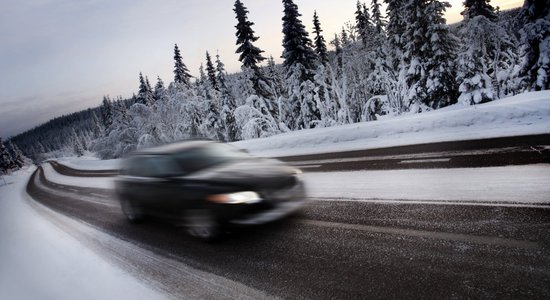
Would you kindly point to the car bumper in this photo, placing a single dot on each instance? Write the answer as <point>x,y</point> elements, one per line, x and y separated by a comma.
<point>275,206</point>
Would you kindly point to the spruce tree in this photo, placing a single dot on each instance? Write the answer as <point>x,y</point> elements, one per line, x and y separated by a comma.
<point>300,64</point>
<point>250,55</point>
<point>427,56</point>
<point>181,73</point>
<point>16,154</point>
<point>227,103</point>
<point>145,94</point>
<point>5,158</point>
<point>211,71</point>
<point>160,90</point>
<point>377,19</point>
<point>296,42</point>
<point>535,39</point>
<point>106,112</point>
<point>320,44</point>
<point>474,8</point>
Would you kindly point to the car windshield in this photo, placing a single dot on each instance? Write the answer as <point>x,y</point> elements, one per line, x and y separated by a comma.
<point>198,158</point>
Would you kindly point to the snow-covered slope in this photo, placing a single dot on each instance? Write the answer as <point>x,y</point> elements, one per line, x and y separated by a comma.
<point>524,114</point>
<point>40,261</point>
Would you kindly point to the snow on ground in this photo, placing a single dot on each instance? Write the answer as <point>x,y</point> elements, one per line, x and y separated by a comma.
<point>524,114</point>
<point>92,182</point>
<point>89,163</point>
<point>512,184</point>
<point>521,184</point>
<point>40,261</point>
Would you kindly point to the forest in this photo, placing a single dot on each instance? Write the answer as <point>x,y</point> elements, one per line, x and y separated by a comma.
<point>404,60</point>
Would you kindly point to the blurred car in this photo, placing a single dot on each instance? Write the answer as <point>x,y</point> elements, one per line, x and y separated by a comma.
<point>207,186</point>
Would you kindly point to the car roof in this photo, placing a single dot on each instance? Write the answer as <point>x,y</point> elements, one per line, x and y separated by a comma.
<point>173,147</point>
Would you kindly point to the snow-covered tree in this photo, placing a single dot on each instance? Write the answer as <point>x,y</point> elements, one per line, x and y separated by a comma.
<point>428,54</point>
<point>227,102</point>
<point>250,55</point>
<point>181,73</point>
<point>160,91</point>
<point>145,93</point>
<point>474,8</point>
<point>319,40</point>
<point>300,63</point>
<point>6,161</point>
<point>535,39</point>
<point>377,20</point>
<point>211,72</point>
<point>16,154</point>
<point>106,112</point>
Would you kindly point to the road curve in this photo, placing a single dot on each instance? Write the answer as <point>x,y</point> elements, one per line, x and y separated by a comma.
<point>335,249</point>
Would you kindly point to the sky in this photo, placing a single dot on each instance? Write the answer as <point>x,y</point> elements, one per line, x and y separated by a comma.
<point>61,56</point>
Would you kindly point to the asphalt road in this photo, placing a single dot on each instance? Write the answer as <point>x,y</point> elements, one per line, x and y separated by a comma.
<point>333,249</point>
<point>519,150</point>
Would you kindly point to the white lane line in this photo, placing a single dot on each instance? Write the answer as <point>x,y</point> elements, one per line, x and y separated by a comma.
<point>434,202</point>
<point>458,237</point>
<point>426,155</point>
<point>429,160</point>
<point>307,166</point>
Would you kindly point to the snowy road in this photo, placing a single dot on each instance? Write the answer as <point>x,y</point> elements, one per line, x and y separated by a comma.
<point>332,249</point>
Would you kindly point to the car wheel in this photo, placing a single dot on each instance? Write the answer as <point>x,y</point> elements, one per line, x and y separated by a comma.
<point>202,225</point>
<point>132,212</point>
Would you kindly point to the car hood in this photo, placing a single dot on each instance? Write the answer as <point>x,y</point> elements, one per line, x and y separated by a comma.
<point>255,173</point>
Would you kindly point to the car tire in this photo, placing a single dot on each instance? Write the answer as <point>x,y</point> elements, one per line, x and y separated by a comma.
<point>132,211</point>
<point>202,225</point>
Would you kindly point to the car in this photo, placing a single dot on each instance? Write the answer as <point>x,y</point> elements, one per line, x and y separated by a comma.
<point>207,186</point>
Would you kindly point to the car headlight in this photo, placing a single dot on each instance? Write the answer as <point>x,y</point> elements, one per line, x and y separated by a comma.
<point>235,198</point>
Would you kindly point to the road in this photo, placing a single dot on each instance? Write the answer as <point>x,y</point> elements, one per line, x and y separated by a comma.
<point>331,249</point>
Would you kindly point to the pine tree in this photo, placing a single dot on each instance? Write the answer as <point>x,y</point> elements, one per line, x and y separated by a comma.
<point>320,44</point>
<point>428,56</point>
<point>6,161</point>
<point>181,73</point>
<point>377,19</point>
<point>160,90</point>
<point>441,77</point>
<point>106,112</point>
<point>145,94</point>
<point>474,8</point>
<point>300,64</point>
<point>296,42</point>
<point>16,154</point>
<point>535,39</point>
<point>211,72</point>
<point>228,103</point>
<point>250,55</point>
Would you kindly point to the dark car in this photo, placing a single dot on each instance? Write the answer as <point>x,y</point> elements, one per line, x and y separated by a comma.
<point>207,186</point>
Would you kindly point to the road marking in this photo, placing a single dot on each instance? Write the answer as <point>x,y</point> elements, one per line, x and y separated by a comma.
<point>307,166</point>
<point>427,155</point>
<point>458,237</point>
<point>428,160</point>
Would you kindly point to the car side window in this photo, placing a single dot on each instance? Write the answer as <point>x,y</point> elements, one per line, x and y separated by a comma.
<point>154,166</point>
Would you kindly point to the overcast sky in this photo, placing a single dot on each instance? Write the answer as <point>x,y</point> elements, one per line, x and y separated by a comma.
<point>61,56</point>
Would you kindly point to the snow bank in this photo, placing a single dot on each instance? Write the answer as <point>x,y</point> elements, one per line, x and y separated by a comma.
<point>524,114</point>
<point>40,261</point>
<point>512,184</point>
